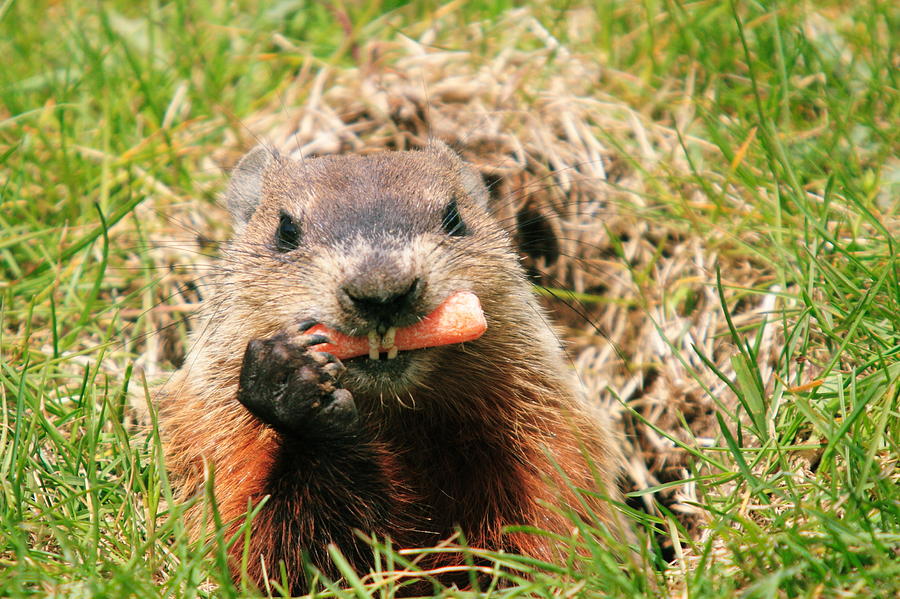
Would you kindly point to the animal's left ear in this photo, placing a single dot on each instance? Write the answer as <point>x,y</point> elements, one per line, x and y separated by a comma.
<point>471,181</point>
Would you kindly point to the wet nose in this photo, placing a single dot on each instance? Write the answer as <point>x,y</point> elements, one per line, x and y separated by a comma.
<point>383,303</point>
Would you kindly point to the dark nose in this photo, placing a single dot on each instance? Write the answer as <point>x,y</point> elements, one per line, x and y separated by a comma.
<point>385,304</point>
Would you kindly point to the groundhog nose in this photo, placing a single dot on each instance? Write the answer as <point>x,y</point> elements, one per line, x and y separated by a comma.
<point>385,304</point>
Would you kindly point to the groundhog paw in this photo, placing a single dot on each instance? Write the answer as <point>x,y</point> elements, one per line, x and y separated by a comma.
<point>293,389</point>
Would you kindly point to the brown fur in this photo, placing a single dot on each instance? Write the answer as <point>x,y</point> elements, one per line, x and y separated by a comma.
<point>468,439</point>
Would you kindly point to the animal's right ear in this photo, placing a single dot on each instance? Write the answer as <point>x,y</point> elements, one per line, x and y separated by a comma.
<point>469,177</point>
<point>245,189</point>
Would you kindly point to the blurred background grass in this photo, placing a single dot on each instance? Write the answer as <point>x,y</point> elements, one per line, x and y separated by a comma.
<point>107,107</point>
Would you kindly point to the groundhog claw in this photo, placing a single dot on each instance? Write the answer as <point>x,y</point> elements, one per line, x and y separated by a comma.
<point>293,389</point>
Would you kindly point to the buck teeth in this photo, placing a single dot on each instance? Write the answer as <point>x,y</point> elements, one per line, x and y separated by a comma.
<point>387,342</point>
<point>374,342</point>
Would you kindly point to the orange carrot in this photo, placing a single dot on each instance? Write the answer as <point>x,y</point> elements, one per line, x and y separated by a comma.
<point>459,318</point>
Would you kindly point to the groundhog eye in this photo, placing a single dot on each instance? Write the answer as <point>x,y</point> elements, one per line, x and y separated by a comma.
<point>287,237</point>
<point>452,222</point>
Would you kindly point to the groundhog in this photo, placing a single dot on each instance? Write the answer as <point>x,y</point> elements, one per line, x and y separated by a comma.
<point>411,444</point>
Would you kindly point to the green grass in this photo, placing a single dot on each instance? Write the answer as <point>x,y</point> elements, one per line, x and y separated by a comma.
<point>107,111</point>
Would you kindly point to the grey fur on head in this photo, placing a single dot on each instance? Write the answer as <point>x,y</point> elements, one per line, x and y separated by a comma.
<point>245,189</point>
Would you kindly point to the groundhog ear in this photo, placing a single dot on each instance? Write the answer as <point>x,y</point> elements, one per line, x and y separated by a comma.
<point>474,185</point>
<point>245,188</point>
<point>471,181</point>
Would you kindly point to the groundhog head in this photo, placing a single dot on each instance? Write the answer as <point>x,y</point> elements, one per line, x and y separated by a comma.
<point>368,246</point>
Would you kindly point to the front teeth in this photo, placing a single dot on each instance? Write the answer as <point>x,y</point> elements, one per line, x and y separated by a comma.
<point>388,339</point>
<point>373,345</point>
<point>387,342</point>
